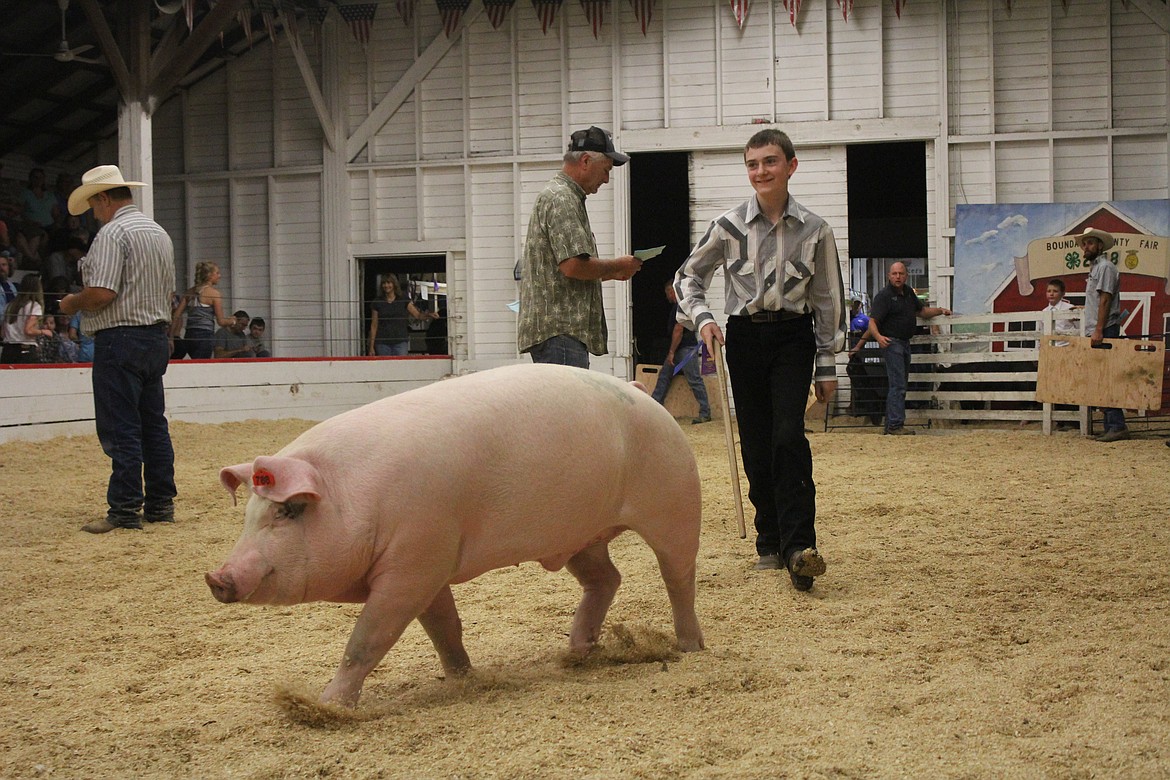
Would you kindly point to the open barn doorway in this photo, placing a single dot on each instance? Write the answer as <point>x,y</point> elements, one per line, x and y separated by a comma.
<point>422,279</point>
<point>887,214</point>
<point>660,197</point>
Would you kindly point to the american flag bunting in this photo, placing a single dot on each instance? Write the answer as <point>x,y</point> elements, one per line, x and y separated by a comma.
<point>644,12</point>
<point>405,10</point>
<point>360,18</point>
<point>268,16</point>
<point>793,7</point>
<point>900,4</point>
<point>546,11</point>
<point>497,11</point>
<point>245,17</point>
<point>846,6</point>
<point>740,9</point>
<point>288,18</point>
<point>595,13</point>
<point>451,11</point>
<point>317,17</point>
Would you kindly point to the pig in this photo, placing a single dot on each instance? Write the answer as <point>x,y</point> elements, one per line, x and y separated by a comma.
<point>531,462</point>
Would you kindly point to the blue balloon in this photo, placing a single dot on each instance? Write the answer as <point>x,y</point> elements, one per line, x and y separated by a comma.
<point>860,322</point>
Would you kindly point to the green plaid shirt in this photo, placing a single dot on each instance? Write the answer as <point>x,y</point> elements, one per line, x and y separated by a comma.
<point>552,304</point>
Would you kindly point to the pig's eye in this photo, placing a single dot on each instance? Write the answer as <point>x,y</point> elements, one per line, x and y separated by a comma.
<point>291,510</point>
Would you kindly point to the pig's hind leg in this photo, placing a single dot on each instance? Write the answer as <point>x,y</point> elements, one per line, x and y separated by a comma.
<point>600,580</point>
<point>441,622</point>
<point>678,573</point>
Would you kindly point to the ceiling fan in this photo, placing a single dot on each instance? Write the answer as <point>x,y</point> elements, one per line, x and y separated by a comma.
<point>64,53</point>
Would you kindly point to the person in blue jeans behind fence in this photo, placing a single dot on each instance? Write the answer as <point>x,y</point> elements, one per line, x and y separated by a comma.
<point>1103,311</point>
<point>892,318</point>
<point>685,356</point>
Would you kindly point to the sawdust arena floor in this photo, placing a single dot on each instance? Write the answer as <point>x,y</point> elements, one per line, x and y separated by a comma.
<point>997,604</point>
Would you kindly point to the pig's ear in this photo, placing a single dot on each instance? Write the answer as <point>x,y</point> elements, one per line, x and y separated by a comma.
<point>231,477</point>
<point>279,479</point>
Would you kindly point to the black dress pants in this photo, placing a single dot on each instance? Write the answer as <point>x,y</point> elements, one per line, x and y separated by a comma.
<point>771,367</point>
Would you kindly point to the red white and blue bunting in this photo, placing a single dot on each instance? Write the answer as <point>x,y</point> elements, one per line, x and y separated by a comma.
<point>405,10</point>
<point>643,12</point>
<point>359,16</point>
<point>595,13</point>
<point>546,12</point>
<point>793,8</point>
<point>739,9</point>
<point>497,11</point>
<point>451,11</point>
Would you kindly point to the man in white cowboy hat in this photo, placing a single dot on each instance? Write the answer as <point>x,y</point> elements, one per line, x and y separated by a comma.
<point>1103,310</point>
<point>128,276</point>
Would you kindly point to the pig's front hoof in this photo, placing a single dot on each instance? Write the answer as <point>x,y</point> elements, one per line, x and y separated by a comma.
<point>302,707</point>
<point>222,587</point>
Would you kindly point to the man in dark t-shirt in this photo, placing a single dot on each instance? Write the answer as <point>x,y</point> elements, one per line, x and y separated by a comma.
<point>892,318</point>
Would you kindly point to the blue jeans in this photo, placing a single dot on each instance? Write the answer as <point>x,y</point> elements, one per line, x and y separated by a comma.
<point>129,406</point>
<point>561,350</point>
<point>1114,418</point>
<point>397,349</point>
<point>897,357</point>
<point>196,344</point>
<point>771,367</point>
<point>690,370</point>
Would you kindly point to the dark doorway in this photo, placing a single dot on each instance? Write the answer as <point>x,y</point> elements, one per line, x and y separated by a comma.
<point>887,199</point>
<point>660,197</point>
<point>423,279</point>
<point>887,214</point>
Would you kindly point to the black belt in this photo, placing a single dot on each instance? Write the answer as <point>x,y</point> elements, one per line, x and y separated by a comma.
<point>768,316</point>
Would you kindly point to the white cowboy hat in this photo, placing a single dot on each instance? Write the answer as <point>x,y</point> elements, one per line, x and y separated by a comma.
<point>93,181</point>
<point>1106,239</point>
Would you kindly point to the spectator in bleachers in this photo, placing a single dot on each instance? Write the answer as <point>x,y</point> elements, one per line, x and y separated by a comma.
<point>61,190</point>
<point>10,208</point>
<point>256,330</point>
<point>22,323</point>
<point>7,288</point>
<point>40,209</point>
<point>231,341</point>
<point>203,306</point>
<point>63,262</point>
<point>56,289</point>
<point>83,340</point>
<point>56,346</point>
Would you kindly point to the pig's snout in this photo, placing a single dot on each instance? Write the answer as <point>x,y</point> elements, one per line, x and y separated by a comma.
<point>223,587</point>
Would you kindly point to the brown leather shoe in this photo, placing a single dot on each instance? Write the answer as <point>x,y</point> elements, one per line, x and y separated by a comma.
<point>98,526</point>
<point>768,562</point>
<point>105,526</point>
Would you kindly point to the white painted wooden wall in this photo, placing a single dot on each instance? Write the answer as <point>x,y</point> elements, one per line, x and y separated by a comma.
<point>1039,104</point>
<point>42,402</point>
